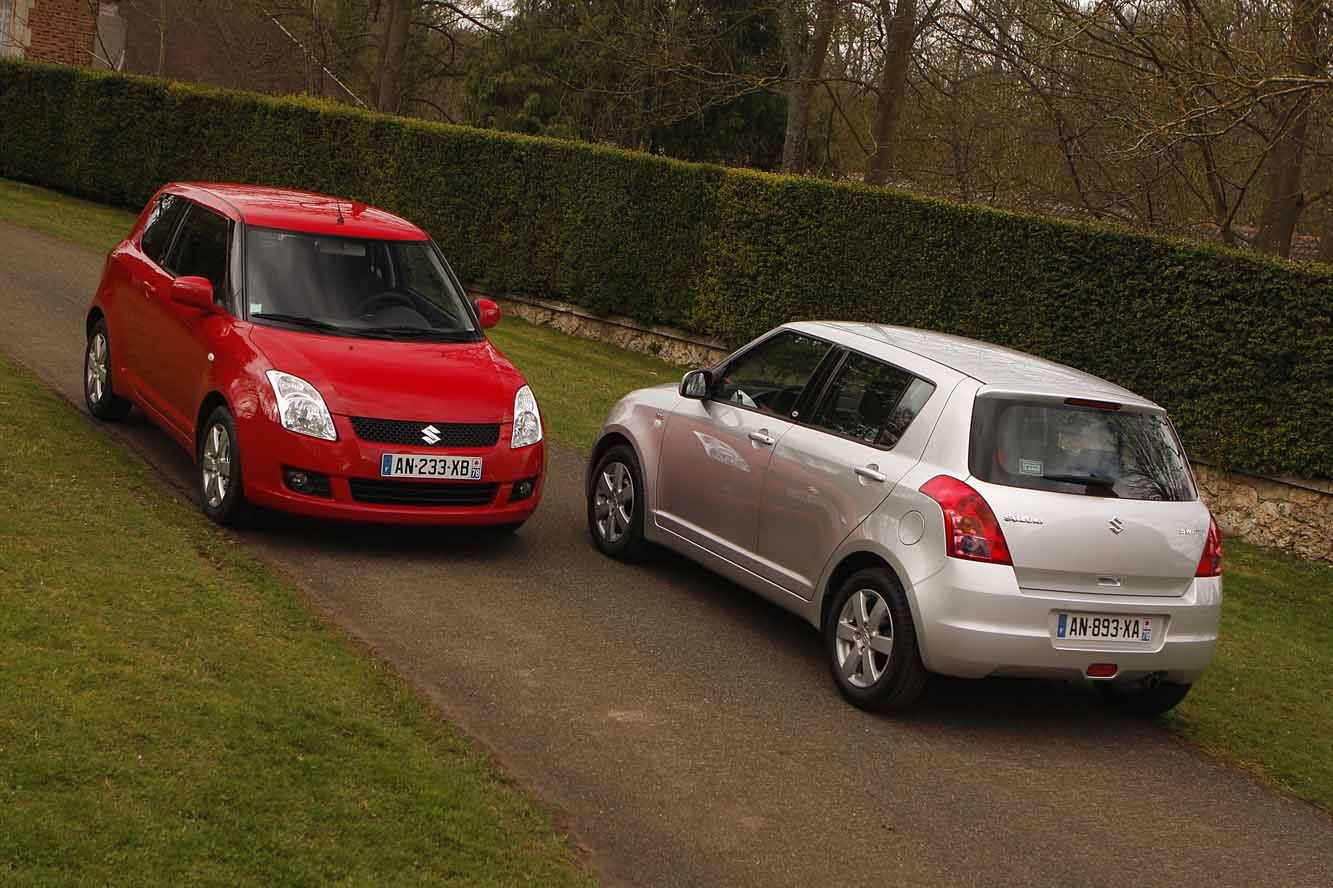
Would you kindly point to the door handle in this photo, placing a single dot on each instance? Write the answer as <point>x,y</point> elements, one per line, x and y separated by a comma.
<point>871,473</point>
<point>762,437</point>
<point>149,290</point>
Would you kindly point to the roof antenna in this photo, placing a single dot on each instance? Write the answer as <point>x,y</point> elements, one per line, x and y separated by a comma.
<point>338,206</point>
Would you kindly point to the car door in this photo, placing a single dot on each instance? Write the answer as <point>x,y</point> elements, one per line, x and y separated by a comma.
<point>178,365</point>
<point>829,473</point>
<point>715,451</point>
<point>144,276</point>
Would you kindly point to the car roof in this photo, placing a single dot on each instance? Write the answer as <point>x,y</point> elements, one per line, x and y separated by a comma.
<point>998,368</point>
<point>303,211</point>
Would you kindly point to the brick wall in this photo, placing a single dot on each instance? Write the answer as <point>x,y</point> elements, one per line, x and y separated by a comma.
<point>62,31</point>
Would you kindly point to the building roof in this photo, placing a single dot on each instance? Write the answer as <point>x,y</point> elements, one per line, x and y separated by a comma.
<point>993,365</point>
<point>299,211</point>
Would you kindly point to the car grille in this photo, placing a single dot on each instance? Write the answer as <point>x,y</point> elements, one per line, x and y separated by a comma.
<point>449,434</point>
<point>422,493</point>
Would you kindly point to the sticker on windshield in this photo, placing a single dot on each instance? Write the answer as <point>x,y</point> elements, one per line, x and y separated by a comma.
<point>256,308</point>
<point>1029,466</point>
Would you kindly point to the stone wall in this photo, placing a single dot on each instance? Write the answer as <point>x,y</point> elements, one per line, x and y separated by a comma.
<point>1292,514</point>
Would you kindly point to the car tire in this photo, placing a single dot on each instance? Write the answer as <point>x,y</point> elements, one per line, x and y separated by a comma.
<point>875,671</point>
<point>98,390</point>
<point>1142,700</point>
<point>218,465</point>
<point>616,505</point>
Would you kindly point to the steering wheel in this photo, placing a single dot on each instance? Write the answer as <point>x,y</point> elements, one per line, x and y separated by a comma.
<point>382,300</point>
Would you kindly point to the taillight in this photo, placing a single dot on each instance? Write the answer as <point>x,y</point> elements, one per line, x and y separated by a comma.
<point>1210,562</point>
<point>970,528</point>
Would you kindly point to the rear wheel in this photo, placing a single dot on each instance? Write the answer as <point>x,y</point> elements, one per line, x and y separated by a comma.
<point>1140,698</point>
<point>616,505</point>
<point>871,643</point>
<point>97,390</point>
<point>219,460</point>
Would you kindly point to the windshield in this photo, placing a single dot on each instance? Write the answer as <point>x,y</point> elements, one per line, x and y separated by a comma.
<point>1089,451</point>
<point>353,287</point>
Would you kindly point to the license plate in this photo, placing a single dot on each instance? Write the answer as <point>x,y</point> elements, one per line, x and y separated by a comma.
<point>443,468</point>
<point>1105,627</point>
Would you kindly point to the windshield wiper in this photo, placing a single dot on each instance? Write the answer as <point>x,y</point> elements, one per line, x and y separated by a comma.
<point>299,321</point>
<point>1104,483</point>
<point>416,332</point>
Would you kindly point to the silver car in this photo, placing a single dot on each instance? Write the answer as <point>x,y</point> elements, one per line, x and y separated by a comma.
<point>932,504</point>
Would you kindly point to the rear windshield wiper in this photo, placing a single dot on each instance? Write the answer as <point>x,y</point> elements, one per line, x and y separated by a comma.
<point>1103,483</point>
<point>299,321</point>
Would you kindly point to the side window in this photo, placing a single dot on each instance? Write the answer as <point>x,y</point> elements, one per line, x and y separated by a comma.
<point>161,225</point>
<point>201,249</point>
<point>872,401</point>
<point>771,376</point>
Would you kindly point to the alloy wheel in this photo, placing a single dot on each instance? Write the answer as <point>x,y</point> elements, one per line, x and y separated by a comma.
<point>215,463</point>
<point>864,638</point>
<point>97,371</point>
<point>614,503</point>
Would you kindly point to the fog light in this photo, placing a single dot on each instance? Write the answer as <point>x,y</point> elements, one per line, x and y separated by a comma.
<point>522,489</point>
<point>309,483</point>
<point>1102,670</point>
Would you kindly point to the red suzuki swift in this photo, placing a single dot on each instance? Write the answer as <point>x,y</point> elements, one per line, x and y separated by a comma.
<point>316,356</point>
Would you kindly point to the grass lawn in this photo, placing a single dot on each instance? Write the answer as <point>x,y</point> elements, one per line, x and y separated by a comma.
<point>1265,703</point>
<point>1267,700</point>
<point>176,714</point>
<point>95,226</point>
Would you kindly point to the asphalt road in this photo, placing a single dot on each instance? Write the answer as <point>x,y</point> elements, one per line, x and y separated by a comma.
<point>688,733</point>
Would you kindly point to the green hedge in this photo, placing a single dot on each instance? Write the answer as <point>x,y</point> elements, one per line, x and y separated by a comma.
<point>1238,347</point>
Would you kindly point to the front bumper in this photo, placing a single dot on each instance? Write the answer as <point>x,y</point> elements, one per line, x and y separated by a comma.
<point>267,449</point>
<point>974,621</point>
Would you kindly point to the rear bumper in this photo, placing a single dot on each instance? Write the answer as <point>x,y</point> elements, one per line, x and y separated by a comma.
<point>267,449</point>
<point>974,621</point>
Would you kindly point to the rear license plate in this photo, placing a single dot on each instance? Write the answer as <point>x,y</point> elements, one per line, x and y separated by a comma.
<point>443,468</point>
<point>1105,627</point>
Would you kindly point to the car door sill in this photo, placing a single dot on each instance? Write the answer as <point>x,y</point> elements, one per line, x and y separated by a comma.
<point>768,589</point>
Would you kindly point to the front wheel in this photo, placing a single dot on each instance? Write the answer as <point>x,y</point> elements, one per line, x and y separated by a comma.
<point>219,462</point>
<point>871,643</point>
<point>1142,699</point>
<point>97,390</point>
<point>616,504</point>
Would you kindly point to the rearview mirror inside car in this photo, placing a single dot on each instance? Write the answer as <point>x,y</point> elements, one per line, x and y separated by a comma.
<point>195,292</point>
<point>696,384</point>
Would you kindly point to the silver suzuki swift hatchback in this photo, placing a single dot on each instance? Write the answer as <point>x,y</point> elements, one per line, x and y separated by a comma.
<point>933,504</point>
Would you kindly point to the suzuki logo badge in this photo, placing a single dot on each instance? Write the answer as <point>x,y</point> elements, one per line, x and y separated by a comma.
<point>1116,526</point>
<point>430,435</point>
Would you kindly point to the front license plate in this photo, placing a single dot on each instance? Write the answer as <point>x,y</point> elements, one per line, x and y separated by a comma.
<point>443,468</point>
<point>1105,627</point>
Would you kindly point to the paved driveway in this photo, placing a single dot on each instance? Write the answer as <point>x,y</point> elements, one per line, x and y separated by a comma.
<point>688,733</point>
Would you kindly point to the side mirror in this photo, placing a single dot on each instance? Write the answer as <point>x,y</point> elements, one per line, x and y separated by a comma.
<point>194,292</point>
<point>489,312</point>
<point>697,384</point>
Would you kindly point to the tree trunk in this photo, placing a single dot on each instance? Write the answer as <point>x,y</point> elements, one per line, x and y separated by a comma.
<point>899,35</point>
<point>393,53</point>
<point>1285,200</point>
<point>806,45</point>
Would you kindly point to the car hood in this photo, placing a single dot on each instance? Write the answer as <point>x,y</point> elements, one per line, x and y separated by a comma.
<point>428,381</point>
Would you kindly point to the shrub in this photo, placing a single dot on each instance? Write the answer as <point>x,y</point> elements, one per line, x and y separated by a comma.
<point>1237,346</point>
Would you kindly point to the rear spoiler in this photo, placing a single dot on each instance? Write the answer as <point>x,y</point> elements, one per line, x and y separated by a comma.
<point>1077,396</point>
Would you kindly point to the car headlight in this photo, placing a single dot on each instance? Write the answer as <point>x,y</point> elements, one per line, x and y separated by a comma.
<point>301,408</point>
<point>527,421</point>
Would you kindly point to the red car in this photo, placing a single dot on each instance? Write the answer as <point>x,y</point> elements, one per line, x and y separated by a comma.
<point>317,356</point>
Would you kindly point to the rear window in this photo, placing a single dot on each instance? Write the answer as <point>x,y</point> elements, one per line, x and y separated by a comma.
<point>1088,451</point>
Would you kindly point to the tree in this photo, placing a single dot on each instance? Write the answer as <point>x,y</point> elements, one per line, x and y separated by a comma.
<point>807,27</point>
